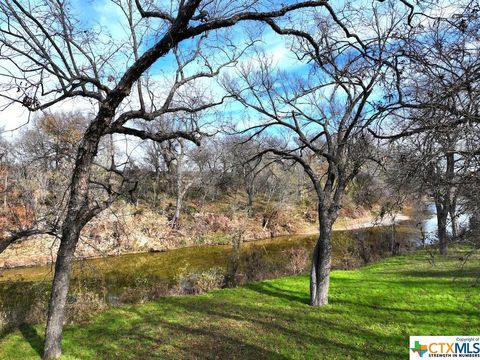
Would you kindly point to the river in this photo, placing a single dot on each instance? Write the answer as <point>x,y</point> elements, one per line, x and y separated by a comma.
<point>135,278</point>
<point>429,224</point>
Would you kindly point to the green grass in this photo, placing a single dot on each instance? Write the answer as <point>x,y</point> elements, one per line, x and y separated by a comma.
<point>372,312</point>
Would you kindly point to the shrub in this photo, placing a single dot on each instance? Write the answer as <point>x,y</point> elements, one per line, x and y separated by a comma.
<point>197,282</point>
<point>255,264</point>
<point>81,306</point>
<point>298,259</point>
<point>346,250</point>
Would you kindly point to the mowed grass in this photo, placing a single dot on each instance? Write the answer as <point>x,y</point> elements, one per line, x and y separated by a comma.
<point>371,314</point>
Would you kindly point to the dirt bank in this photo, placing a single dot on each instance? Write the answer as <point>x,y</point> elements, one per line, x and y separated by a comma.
<point>133,232</point>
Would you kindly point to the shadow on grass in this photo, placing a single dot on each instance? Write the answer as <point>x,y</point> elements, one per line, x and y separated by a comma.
<point>456,273</point>
<point>299,324</point>
<point>31,335</point>
<point>151,337</point>
<point>285,323</point>
<point>268,289</point>
<point>393,309</point>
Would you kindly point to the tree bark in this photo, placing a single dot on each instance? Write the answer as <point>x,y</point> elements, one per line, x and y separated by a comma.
<point>76,218</point>
<point>453,219</point>
<point>321,262</point>
<point>249,196</point>
<point>178,209</point>
<point>452,197</point>
<point>442,215</point>
<point>61,281</point>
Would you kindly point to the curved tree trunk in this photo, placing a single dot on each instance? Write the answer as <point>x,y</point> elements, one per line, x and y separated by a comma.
<point>321,263</point>
<point>56,309</point>
<point>76,218</point>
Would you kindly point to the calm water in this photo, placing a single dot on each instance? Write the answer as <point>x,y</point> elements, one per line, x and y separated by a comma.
<point>131,278</point>
<point>429,224</point>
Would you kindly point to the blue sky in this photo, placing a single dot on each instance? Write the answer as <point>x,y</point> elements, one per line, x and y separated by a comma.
<point>104,13</point>
<point>107,15</point>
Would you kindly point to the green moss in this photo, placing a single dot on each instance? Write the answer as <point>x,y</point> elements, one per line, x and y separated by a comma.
<point>372,312</point>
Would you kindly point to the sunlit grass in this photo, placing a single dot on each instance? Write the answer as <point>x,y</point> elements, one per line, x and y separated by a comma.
<point>372,312</point>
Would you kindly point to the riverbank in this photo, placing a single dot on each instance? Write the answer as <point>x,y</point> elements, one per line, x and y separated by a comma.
<point>369,221</point>
<point>372,312</point>
<point>138,230</point>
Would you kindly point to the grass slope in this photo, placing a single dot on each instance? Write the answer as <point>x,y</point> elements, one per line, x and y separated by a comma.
<point>372,312</point>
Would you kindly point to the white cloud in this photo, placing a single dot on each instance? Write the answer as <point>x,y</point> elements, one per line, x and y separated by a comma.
<point>16,116</point>
<point>13,117</point>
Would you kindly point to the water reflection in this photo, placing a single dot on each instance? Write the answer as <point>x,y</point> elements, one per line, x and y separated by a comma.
<point>138,277</point>
<point>429,224</point>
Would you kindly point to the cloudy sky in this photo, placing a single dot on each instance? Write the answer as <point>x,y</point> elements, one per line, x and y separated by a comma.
<point>106,14</point>
<point>109,17</point>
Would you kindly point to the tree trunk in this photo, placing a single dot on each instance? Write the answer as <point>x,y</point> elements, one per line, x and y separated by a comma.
<point>181,192</point>
<point>5,202</point>
<point>442,215</point>
<point>451,193</point>
<point>156,189</point>
<point>249,196</point>
<point>453,220</point>
<point>56,309</point>
<point>75,220</point>
<point>178,209</point>
<point>321,262</point>
<point>234,261</point>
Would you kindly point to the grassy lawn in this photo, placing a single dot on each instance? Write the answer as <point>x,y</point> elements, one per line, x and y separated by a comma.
<point>372,312</point>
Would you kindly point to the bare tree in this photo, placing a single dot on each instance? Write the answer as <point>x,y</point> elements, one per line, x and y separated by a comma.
<point>435,100</point>
<point>173,167</point>
<point>176,161</point>
<point>435,74</point>
<point>48,56</point>
<point>211,169</point>
<point>237,151</point>
<point>433,164</point>
<point>323,113</point>
<point>4,152</point>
